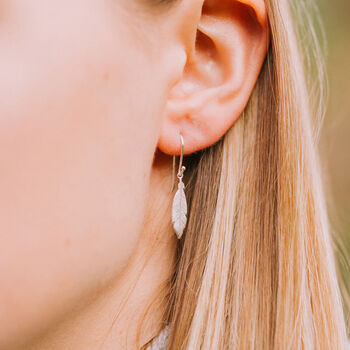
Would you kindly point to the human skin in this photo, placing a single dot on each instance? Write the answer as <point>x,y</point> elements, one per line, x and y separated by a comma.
<point>93,95</point>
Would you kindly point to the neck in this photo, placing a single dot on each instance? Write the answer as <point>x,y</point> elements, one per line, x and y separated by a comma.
<point>111,319</point>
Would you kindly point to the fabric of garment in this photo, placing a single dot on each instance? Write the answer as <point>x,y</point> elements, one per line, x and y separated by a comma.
<point>160,342</point>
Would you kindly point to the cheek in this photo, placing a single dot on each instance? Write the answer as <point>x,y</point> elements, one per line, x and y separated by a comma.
<point>77,136</point>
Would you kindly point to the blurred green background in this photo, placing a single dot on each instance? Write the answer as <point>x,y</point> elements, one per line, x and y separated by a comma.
<point>335,136</point>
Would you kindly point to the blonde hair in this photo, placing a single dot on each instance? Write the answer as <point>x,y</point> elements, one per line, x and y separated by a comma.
<point>255,268</point>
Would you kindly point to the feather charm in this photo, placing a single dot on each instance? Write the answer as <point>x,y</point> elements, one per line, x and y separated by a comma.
<point>179,210</point>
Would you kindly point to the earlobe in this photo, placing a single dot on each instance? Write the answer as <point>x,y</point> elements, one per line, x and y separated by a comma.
<point>219,76</point>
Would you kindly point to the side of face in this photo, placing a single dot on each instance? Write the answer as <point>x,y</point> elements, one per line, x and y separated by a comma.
<point>80,110</point>
<point>89,90</point>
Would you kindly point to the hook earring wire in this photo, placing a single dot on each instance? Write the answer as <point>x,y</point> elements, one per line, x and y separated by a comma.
<point>181,167</point>
<point>173,174</point>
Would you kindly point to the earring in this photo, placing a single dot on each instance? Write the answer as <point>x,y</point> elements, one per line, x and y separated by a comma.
<point>179,209</point>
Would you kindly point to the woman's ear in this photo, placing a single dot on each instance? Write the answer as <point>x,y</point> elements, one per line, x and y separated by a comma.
<point>223,62</point>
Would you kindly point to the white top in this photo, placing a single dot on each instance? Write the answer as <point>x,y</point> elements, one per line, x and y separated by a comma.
<point>160,342</point>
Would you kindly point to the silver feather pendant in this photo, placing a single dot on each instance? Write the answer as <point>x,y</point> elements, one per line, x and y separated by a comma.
<point>179,209</point>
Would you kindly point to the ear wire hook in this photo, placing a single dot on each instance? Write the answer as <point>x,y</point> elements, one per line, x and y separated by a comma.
<point>181,167</point>
<point>173,172</point>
